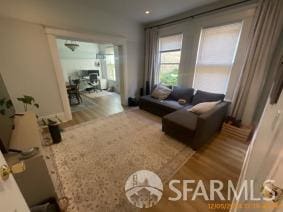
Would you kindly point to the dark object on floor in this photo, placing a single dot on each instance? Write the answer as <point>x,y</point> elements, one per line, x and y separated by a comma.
<point>50,205</point>
<point>133,102</point>
<point>193,129</point>
<point>74,92</point>
<point>55,133</point>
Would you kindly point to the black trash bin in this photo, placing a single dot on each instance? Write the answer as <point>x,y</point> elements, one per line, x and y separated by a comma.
<point>55,133</point>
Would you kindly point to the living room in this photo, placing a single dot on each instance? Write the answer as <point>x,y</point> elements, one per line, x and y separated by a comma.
<point>196,82</point>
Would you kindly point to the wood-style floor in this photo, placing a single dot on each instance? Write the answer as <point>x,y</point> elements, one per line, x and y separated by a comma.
<point>221,159</point>
<point>98,107</point>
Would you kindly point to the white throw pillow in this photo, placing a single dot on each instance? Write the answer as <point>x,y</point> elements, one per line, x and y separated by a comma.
<point>203,107</point>
<point>161,92</point>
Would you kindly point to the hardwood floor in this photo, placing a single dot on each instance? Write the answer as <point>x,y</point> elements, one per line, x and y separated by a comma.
<point>221,159</point>
<point>95,108</point>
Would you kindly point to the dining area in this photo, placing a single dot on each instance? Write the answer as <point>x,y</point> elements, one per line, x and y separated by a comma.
<point>85,84</point>
<point>73,91</point>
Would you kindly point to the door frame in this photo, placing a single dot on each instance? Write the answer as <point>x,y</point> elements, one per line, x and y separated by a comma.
<point>121,42</point>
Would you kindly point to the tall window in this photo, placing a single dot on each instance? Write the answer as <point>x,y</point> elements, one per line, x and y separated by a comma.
<point>110,64</point>
<point>169,59</point>
<point>216,54</point>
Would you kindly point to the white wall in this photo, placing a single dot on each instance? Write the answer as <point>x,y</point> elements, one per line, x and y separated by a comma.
<point>72,67</point>
<point>33,63</point>
<point>83,58</point>
<point>26,65</point>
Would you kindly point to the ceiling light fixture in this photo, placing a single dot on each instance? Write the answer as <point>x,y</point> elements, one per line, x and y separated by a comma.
<point>147,12</point>
<point>73,45</point>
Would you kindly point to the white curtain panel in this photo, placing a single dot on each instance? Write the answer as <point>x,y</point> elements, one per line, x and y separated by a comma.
<point>151,57</point>
<point>265,33</point>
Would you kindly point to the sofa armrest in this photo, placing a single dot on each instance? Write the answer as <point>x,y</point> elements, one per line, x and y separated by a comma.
<point>209,123</point>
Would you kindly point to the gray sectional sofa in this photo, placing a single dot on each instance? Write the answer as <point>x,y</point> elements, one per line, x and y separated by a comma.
<point>186,126</point>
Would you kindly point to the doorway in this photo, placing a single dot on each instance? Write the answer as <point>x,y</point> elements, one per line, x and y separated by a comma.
<point>91,73</point>
<point>109,63</point>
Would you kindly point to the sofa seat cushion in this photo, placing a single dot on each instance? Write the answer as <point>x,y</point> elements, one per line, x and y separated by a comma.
<point>183,118</point>
<point>181,125</point>
<point>159,107</point>
<point>172,104</point>
<point>166,103</point>
<point>202,96</point>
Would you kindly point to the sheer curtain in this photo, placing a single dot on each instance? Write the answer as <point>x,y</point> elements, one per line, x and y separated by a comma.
<point>216,53</point>
<point>151,58</point>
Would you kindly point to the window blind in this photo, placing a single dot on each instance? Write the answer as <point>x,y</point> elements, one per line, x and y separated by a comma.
<point>216,53</point>
<point>170,43</point>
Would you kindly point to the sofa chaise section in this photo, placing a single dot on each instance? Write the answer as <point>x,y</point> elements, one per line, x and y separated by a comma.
<point>193,129</point>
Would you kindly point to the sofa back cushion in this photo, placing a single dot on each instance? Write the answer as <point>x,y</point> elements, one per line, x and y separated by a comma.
<point>182,93</point>
<point>202,96</point>
<point>161,92</point>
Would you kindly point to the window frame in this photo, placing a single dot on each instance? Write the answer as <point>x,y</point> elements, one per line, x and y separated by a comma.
<point>168,51</point>
<point>107,71</point>
<point>234,61</point>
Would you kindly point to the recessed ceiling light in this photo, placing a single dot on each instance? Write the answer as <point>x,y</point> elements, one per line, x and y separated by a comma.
<point>147,12</point>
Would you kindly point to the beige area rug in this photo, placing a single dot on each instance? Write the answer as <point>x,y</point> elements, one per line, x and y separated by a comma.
<point>97,94</point>
<point>95,159</point>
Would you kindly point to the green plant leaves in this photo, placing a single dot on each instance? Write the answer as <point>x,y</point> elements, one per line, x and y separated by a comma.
<point>9,104</point>
<point>5,105</point>
<point>2,101</point>
<point>28,100</point>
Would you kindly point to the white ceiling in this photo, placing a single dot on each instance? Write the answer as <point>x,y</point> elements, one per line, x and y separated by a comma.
<point>134,9</point>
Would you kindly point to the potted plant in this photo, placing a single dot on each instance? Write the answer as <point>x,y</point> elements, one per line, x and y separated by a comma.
<point>53,124</point>
<point>28,101</point>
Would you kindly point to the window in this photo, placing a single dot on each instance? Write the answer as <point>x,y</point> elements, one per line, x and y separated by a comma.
<point>110,64</point>
<point>169,59</point>
<point>216,54</point>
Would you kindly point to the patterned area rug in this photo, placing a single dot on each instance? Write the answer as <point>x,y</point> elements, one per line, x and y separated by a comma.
<point>94,95</point>
<point>95,159</point>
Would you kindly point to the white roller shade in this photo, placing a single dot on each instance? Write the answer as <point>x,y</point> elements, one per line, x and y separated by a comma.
<point>216,53</point>
<point>170,43</point>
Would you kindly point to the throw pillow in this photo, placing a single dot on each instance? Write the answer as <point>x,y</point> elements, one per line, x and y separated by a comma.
<point>202,96</point>
<point>203,107</point>
<point>161,92</point>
